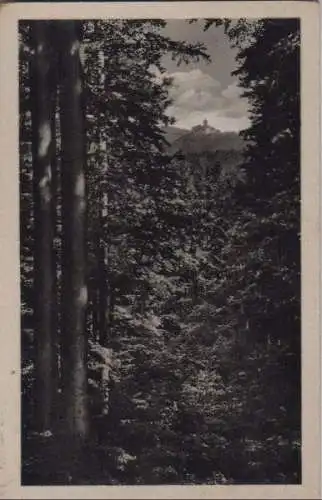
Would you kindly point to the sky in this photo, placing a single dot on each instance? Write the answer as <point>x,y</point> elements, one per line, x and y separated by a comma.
<point>205,90</point>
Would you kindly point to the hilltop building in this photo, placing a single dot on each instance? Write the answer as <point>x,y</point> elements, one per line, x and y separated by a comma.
<point>205,128</point>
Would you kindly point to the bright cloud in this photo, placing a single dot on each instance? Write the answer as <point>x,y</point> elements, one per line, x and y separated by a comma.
<point>196,96</point>
<point>194,79</point>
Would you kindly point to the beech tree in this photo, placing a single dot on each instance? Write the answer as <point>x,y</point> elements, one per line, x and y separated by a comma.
<point>44,210</point>
<point>74,287</point>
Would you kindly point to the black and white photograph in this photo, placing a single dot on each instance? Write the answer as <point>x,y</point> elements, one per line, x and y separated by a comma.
<point>160,243</point>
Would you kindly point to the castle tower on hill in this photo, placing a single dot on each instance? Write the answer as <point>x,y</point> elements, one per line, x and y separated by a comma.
<point>205,128</point>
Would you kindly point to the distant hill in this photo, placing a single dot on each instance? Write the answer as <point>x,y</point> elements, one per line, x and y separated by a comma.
<point>202,138</point>
<point>172,134</point>
<point>224,147</point>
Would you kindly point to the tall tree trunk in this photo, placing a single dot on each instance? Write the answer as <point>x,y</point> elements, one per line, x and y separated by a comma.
<point>55,213</point>
<point>74,290</point>
<point>56,229</point>
<point>44,311</point>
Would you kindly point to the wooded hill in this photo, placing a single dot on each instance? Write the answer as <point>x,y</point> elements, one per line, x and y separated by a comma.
<point>221,150</point>
<point>160,301</point>
<point>199,140</point>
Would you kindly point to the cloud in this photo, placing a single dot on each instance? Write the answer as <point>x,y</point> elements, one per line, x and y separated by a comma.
<point>197,95</point>
<point>232,91</point>
<point>194,90</point>
<point>194,79</point>
<point>194,100</point>
<point>235,106</point>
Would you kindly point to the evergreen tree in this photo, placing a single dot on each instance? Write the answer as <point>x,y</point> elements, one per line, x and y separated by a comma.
<point>263,244</point>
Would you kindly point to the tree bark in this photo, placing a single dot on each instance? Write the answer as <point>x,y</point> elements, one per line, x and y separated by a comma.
<point>74,290</point>
<point>44,277</point>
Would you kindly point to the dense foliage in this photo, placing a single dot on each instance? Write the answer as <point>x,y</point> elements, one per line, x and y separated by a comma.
<point>193,317</point>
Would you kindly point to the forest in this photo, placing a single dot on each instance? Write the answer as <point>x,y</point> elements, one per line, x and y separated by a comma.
<point>160,299</point>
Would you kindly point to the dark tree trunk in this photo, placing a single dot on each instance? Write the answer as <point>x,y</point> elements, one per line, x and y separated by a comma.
<point>44,279</point>
<point>55,204</point>
<point>74,290</point>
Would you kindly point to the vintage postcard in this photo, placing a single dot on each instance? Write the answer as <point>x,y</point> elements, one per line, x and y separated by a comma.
<point>160,264</point>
